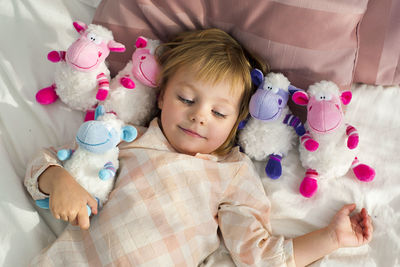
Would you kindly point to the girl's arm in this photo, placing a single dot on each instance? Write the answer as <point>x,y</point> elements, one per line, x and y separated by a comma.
<point>343,231</point>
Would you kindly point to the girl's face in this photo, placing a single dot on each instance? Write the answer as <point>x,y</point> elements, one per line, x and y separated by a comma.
<point>196,116</point>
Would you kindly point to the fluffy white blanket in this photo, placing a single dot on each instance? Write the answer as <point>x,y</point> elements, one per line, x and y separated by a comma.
<point>30,29</point>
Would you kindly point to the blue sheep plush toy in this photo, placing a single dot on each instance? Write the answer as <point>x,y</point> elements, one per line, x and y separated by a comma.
<point>271,130</point>
<point>94,163</point>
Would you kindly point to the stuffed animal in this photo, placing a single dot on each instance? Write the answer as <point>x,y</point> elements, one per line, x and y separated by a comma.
<point>329,147</point>
<point>81,76</point>
<point>271,130</point>
<point>94,163</point>
<point>133,93</point>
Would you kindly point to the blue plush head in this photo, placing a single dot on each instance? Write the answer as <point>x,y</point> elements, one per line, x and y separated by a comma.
<point>271,97</point>
<point>99,136</point>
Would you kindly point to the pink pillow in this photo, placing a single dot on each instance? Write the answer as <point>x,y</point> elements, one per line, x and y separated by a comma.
<point>379,53</point>
<point>306,40</point>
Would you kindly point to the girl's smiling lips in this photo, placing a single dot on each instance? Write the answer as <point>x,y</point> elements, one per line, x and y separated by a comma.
<point>190,132</point>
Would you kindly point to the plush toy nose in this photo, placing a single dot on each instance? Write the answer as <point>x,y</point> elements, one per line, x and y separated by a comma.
<point>94,137</point>
<point>265,105</point>
<point>83,55</point>
<point>324,116</point>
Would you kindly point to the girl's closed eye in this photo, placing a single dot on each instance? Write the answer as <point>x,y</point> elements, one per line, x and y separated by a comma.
<point>219,114</point>
<point>185,101</point>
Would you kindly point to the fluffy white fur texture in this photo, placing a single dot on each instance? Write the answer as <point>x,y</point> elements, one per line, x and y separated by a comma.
<point>332,158</point>
<point>84,166</point>
<point>134,106</point>
<point>78,89</point>
<point>259,138</point>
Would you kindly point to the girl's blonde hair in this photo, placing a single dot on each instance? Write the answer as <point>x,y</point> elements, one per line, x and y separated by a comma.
<point>216,57</point>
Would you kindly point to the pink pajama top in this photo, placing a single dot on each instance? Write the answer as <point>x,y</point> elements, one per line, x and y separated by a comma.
<point>166,208</point>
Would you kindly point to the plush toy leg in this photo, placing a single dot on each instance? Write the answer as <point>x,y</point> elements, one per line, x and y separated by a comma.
<point>363,172</point>
<point>309,185</point>
<point>274,167</point>
<point>89,116</point>
<point>46,96</point>
<point>107,172</point>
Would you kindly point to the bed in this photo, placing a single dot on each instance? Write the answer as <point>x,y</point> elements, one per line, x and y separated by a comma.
<point>30,29</point>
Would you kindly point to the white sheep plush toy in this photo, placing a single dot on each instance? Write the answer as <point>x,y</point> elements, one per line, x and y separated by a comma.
<point>94,163</point>
<point>133,91</point>
<point>329,147</point>
<point>272,130</point>
<point>81,77</point>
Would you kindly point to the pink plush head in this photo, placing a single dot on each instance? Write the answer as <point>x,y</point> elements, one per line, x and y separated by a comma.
<point>91,48</point>
<point>324,110</point>
<point>145,67</point>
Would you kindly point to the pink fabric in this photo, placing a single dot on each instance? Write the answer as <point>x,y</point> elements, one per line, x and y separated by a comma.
<point>46,96</point>
<point>379,54</point>
<point>166,208</point>
<point>307,41</point>
<point>363,172</point>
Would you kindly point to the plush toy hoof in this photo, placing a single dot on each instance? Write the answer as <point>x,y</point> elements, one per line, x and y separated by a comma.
<point>352,141</point>
<point>104,174</point>
<point>46,95</point>
<point>311,145</point>
<point>101,94</point>
<point>54,56</point>
<point>127,83</point>
<point>273,168</point>
<point>63,154</point>
<point>43,203</point>
<point>364,173</point>
<point>308,187</point>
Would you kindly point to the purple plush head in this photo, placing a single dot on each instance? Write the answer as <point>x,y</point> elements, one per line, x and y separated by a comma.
<point>271,97</point>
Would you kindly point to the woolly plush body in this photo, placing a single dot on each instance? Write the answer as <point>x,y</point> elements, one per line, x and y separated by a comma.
<point>260,138</point>
<point>95,162</point>
<point>81,76</point>
<point>271,130</point>
<point>78,89</point>
<point>84,166</point>
<point>332,158</point>
<point>134,90</point>
<point>136,106</point>
<point>329,147</point>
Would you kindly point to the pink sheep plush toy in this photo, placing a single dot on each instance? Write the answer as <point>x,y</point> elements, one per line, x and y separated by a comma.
<point>81,78</point>
<point>329,147</point>
<point>133,92</point>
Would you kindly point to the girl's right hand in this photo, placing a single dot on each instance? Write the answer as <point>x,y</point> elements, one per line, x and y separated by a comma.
<point>68,199</point>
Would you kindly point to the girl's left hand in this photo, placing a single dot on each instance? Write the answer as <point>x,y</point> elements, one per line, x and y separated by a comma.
<point>351,231</point>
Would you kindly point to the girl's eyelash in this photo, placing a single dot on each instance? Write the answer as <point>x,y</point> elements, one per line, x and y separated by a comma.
<point>219,114</point>
<point>185,101</point>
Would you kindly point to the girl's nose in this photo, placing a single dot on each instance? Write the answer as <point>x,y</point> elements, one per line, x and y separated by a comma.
<point>198,116</point>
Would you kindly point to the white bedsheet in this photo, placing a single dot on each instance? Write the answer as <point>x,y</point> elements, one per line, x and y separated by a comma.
<point>30,29</point>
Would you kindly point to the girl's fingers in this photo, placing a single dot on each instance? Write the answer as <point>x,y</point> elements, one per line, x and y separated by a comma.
<point>92,204</point>
<point>347,209</point>
<point>83,218</point>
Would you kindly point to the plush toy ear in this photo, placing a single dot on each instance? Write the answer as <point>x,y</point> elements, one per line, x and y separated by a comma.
<point>141,42</point>
<point>346,97</point>
<point>293,89</point>
<point>300,98</point>
<point>257,77</point>
<point>80,27</point>
<point>100,111</point>
<point>129,133</point>
<point>115,47</point>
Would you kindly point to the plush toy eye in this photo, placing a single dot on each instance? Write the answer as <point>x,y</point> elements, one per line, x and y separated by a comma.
<point>94,38</point>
